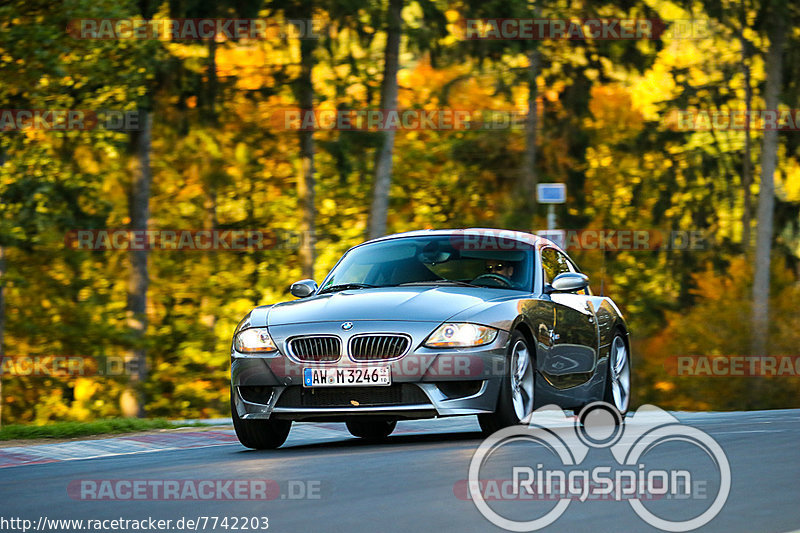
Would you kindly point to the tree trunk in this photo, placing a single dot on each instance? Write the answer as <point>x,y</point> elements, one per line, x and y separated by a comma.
<point>139,209</point>
<point>766,195</point>
<point>2,320</point>
<point>305,183</point>
<point>746,177</point>
<point>212,83</point>
<point>208,315</point>
<point>2,304</point>
<point>383,157</point>
<point>208,310</point>
<point>528,175</point>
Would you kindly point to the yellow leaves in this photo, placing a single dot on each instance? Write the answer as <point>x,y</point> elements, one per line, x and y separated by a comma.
<point>357,91</point>
<point>656,86</point>
<point>187,49</point>
<point>252,65</point>
<point>788,181</point>
<point>84,389</point>
<point>85,158</point>
<point>328,204</point>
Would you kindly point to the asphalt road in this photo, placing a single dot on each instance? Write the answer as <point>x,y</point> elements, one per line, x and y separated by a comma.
<point>407,484</point>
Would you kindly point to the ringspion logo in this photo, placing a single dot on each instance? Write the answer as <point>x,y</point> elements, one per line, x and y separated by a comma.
<point>600,426</point>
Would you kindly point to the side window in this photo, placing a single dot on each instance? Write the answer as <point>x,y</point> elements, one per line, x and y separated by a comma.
<point>554,263</point>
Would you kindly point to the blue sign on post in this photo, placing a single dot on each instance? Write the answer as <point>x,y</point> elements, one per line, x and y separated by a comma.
<point>551,193</point>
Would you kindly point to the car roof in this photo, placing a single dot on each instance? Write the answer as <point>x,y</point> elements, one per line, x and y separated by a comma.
<point>521,236</point>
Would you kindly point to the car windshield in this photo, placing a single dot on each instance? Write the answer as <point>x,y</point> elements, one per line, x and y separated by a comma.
<point>432,260</point>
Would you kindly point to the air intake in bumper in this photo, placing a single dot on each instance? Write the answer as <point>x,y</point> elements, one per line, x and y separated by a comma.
<point>396,394</point>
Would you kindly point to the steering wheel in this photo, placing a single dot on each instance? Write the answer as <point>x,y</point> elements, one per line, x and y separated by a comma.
<point>504,281</point>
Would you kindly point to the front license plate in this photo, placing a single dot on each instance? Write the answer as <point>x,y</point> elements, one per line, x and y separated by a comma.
<point>354,375</point>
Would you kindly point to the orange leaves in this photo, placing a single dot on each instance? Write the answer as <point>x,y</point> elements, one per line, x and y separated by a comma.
<point>614,112</point>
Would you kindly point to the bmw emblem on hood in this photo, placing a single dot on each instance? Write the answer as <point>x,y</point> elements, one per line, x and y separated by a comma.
<point>347,326</point>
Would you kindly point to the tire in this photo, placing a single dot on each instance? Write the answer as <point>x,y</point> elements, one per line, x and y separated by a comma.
<point>259,434</point>
<point>515,401</point>
<point>618,377</point>
<point>371,430</point>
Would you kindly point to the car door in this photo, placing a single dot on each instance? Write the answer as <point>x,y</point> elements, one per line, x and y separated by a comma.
<point>572,354</point>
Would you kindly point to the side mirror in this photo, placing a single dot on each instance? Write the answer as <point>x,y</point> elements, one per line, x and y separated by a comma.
<point>568,282</point>
<point>303,288</point>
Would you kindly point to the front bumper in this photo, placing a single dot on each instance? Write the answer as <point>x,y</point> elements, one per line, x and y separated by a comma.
<point>426,382</point>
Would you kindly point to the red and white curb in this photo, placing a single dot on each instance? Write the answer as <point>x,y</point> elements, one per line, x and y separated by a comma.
<point>91,449</point>
<point>302,433</point>
<point>136,444</point>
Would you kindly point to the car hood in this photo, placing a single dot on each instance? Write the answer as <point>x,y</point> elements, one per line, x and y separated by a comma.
<point>417,303</point>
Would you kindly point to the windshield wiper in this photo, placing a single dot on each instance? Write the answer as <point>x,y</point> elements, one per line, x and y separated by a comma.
<point>440,282</point>
<point>345,286</point>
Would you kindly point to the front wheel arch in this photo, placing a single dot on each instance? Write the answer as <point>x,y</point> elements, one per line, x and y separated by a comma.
<point>608,395</point>
<point>516,394</point>
<point>525,329</point>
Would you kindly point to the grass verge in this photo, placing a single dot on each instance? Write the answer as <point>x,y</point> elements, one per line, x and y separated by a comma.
<point>65,430</point>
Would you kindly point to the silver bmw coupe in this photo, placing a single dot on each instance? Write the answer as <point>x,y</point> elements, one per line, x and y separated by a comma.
<point>427,324</point>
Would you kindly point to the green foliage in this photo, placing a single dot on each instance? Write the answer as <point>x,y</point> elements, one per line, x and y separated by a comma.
<point>66,430</point>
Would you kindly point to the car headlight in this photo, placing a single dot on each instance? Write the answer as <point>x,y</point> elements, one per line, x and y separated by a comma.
<point>254,340</point>
<point>460,335</point>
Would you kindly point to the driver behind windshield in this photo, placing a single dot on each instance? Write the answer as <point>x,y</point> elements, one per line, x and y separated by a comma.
<point>503,268</point>
<point>428,260</point>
